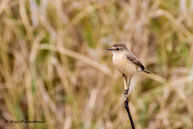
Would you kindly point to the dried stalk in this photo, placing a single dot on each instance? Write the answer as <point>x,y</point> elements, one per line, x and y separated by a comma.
<point>126,104</point>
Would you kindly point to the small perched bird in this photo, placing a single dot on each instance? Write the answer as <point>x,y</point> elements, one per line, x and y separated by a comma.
<point>126,63</point>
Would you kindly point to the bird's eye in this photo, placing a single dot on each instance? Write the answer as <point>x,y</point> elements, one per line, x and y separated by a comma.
<point>117,49</point>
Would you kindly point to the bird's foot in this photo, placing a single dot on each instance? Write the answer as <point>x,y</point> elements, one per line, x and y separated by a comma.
<point>125,92</point>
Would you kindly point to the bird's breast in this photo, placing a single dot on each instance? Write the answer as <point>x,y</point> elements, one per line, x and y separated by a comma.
<point>124,65</point>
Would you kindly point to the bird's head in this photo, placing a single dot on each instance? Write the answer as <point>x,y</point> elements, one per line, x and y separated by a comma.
<point>118,48</point>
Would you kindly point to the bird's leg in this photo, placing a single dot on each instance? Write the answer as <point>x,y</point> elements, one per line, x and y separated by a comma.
<point>125,81</point>
<point>126,86</point>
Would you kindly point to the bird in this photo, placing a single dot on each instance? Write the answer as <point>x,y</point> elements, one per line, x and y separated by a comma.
<point>126,63</point>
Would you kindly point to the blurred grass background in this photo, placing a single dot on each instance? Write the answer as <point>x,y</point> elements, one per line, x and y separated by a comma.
<point>54,65</point>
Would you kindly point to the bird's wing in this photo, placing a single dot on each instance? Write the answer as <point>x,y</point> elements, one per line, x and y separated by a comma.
<point>134,60</point>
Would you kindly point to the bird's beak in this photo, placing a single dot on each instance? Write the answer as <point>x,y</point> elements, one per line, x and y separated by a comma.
<point>110,49</point>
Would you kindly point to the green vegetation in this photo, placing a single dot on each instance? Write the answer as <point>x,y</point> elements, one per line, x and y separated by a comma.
<point>54,66</point>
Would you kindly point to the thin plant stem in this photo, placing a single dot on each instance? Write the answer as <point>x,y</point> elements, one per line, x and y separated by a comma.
<point>126,104</point>
<point>129,113</point>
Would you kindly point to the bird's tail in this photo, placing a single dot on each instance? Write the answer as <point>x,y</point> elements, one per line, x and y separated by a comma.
<point>146,71</point>
<point>142,69</point>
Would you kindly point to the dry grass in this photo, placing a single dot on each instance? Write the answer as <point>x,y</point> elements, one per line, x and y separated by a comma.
<point>54,65</point>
